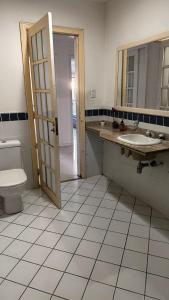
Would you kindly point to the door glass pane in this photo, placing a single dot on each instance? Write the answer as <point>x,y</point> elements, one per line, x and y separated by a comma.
<point>34,49</point>
<point>44,108</point>
<point>42,151</point>
<point>51,133</point>
<point>53,183</point>
<point>164,97</point>
<point>48,173</point>
<point>52,157</point>
<point>41,76</point>
<point>47,151</point>
<point>40,129</point>
<point>45,125</point>
<point>44,173</point>
<point>39,45</point>
<point>165,77</point>
<point>36,76</point>
<point>47,75</point>
<point>130,63</point>
<point>44,43</point>
<point>49,105</point>
<point>166,56</point>
<point>130,79</point>
<point>130,97</point>
<point>38,104</point>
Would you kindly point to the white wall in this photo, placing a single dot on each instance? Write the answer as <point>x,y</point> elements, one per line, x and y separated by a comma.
<point>151,186</point>
<point>72,13</point>
<point>127,21</point>
<point>63,51</point>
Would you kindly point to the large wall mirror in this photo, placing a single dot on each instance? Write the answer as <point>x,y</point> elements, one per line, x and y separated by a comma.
<point>143,75</point>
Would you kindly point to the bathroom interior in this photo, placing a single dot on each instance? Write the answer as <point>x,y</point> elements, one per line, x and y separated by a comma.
<point>84,150</point>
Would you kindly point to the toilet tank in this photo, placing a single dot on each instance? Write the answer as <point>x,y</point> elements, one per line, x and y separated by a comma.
<point>10,155</point>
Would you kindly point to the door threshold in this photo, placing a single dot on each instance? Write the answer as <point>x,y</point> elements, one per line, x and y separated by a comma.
<point>72,179</point>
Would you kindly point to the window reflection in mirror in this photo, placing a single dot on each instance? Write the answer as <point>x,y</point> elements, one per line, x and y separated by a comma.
<point>143,76</point>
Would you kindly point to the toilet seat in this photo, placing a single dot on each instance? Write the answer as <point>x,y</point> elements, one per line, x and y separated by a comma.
<point>11,178</point>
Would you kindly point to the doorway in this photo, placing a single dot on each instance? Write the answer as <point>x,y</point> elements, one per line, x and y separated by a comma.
<point>67,102</point>
<point>40,90</point>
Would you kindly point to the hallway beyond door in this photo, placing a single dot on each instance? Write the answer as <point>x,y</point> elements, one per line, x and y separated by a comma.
<point>68,160</point>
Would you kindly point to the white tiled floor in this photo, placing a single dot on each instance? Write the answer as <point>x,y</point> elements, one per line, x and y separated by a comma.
<point>102,245</point>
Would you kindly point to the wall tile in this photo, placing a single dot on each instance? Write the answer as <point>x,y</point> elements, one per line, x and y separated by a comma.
<point>140,117</point>
<point>146,118</point>
<point>130,115</point>
<point>121,114</point>
<point>166,121</point>
<point>125,115</point>
<point>135,116</point>
<point>95,112</point>
<point>5,117</point>
<point>101,112</point>
<point>153,119</point>
<point>160,120</point>
<point>13,117</point>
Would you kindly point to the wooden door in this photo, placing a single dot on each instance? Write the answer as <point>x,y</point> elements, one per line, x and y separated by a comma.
<point>44,105</point>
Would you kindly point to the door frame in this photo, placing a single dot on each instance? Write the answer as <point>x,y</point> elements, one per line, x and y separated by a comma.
<point>79,33</point>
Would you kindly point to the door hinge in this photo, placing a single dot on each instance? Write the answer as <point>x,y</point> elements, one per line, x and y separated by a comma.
<point>33,114</point>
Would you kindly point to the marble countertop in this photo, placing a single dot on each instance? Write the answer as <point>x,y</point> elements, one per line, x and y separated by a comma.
<point>107,133</point>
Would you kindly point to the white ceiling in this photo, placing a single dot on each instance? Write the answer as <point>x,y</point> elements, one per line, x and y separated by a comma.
<point>101,1</point>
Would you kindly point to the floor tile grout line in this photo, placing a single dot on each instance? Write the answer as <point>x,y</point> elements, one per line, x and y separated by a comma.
<point>83,256</point>
<point>17,238</point>
<point>27,286</point>
<point>29,249</point>
<point>20,259</point>
<point>32,244</point>
<point>78,244</point>
<point>68,225</point>
<point>10,245</point>
<point>147,259</point>
<point>13,222</point>
<point>100,246</point>
<point>127,267</point>
<point>42,265</point>
<point>124,250</point>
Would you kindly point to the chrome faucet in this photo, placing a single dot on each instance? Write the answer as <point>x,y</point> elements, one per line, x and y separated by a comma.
<point>149,133</point>
<point>135,124</point>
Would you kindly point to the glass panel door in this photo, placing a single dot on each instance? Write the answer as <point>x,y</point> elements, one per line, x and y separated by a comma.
<point>40,39</point>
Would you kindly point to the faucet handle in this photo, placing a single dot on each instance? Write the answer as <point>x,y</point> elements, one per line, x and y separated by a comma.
<point>161,136</point>
<point>148,133</point>
<point>135,124</point>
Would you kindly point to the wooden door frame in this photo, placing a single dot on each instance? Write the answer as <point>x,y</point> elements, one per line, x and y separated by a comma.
<point>79,33</point>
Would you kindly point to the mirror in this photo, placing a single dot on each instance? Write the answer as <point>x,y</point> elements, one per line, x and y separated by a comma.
<point>143,75</point>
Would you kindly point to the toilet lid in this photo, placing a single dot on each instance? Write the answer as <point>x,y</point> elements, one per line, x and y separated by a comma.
<point>12,177</point>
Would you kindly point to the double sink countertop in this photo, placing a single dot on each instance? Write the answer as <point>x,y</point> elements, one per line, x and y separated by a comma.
<point>106,132</point>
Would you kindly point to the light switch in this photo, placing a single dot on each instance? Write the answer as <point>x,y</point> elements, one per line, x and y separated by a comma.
<point>92,93</point>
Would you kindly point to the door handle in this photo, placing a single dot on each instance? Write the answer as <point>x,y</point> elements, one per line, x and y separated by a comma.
<point>55,127</point>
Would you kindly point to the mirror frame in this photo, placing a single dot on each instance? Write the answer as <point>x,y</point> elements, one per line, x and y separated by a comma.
<point>124,48</point>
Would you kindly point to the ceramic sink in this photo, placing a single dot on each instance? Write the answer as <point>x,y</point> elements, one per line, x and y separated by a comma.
<point>138,139</point>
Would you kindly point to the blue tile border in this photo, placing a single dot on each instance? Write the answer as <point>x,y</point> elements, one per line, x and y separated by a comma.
<point>146,118</point>
<point>150,119</point>
<point>21,116</point>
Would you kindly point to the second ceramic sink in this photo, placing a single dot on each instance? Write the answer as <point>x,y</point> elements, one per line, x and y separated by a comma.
<point>138,140</point>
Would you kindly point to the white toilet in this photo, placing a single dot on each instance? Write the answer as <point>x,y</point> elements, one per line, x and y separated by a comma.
<point>12,176</point>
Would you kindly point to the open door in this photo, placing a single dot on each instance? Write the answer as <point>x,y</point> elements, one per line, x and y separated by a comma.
<point>44,105</point>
